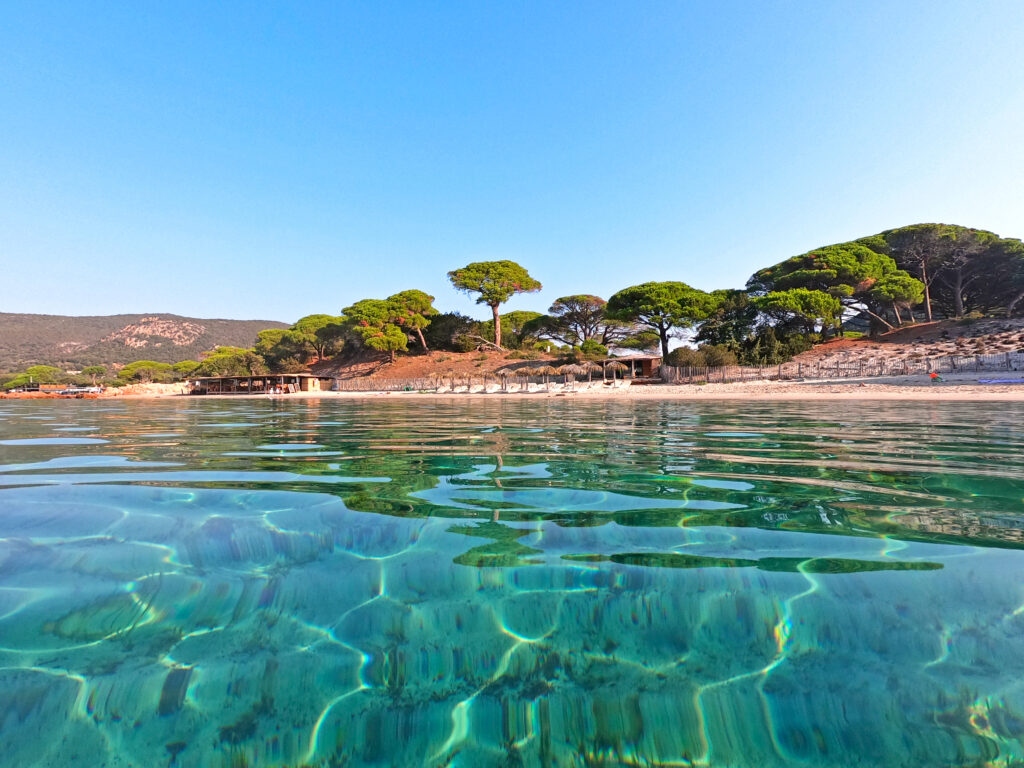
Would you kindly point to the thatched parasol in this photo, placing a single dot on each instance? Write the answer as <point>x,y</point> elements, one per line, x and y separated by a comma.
<point>545,371</point>
<point>572,370</point>
<point>592,368</point>
<point>616,368</point>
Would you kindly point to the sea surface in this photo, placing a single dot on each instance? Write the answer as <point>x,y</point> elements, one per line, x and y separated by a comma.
<point>403,582</point>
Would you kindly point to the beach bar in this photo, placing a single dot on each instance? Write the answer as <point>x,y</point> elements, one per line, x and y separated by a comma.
<point>645,366</point>
<point>281,384</point>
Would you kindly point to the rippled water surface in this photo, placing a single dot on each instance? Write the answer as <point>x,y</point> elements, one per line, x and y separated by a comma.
<point>510,583</point>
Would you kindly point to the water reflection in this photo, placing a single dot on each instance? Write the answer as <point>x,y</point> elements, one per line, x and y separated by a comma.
<point>266,583</point>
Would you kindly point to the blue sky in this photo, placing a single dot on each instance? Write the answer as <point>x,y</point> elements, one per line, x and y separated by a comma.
<point>250,161</point>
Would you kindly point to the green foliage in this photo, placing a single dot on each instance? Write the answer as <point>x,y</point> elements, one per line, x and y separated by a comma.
<point>718,355</point>
<point>519,328</point>
<point>183,368</point>
<point>94,372</point>
<point>593,349</point>
<point>770,347</point>
<point>685,357</point>
<point>369,313</point>
<point>709,355</point>
<point>446,327</point>
<point>495,282</point>
<point>642,341</point>
<point>146,371</point>
<point>849,272</point>
<point>661,307</point>
<point>320,334</point>
<point>232,361</point>
<point>37,374</point>
<point>387,338</point>
<point>805,308</point>
<point>900,289</point>
<point>575,319</point>
<point>731,320</point>
<point>412,310</point>
<point>278,345</point>
<point>965,270</point>
<point>373,323</point>
<point>519,354</point>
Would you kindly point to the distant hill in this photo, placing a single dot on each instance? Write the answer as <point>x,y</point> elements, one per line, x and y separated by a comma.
<point>75,342</point>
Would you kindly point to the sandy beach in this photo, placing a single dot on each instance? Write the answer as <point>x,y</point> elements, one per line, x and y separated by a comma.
<point>956,387</point>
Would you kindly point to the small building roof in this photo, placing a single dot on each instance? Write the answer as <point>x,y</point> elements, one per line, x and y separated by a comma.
<point>259,376</point>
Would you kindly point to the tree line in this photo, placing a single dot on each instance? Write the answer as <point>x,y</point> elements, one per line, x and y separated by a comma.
<point>870,285</point>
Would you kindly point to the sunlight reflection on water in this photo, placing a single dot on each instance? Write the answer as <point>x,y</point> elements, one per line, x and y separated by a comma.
<point>511,583</point>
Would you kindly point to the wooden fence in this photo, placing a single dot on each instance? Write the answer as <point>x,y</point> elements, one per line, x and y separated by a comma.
<point>842,369</point>
<point>460,383</point>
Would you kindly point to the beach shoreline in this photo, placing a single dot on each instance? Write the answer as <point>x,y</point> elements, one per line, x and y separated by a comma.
<point>956,387</point>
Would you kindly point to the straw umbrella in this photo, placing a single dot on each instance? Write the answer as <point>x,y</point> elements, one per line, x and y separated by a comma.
<point>572,370</point>
<point>615,368</point>
<point>545,371</point>
<point>505,374</point>
<point>590,368</point>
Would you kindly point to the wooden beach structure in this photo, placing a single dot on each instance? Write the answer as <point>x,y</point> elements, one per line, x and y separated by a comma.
<point>644,366</point>
<point>270,384</point>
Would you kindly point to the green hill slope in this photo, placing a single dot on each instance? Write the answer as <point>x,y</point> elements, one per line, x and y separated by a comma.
<point>74,342</point>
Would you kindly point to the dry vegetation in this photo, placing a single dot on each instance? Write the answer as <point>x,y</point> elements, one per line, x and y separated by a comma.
<point>925,341</point>
<point>458,364</point>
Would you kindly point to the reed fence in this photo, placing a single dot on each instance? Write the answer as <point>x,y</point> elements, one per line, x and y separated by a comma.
<point>841,369</point>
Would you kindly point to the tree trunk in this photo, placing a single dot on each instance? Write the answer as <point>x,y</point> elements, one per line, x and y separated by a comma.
<point>1013,304</point>
<point>896,311</point>
<point>663,333</point>
<point>880,319</point>
<point>392,355</point>
<point>497,326</point>
<point>927,290</point>
<point>958,293</point>
<point>419,332</point>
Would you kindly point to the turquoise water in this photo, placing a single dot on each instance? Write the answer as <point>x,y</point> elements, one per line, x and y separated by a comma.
<point>510,583</point>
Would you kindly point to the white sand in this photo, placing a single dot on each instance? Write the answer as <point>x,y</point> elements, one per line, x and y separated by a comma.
<point>955,387</point>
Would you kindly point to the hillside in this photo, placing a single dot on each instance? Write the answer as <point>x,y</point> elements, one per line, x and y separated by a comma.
<point>923,341</point>
<point>913,343</point>
<point>74,342</point>
<point>431,364</point>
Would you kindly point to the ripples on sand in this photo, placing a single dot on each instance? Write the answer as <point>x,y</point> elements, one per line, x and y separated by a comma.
<point>263,583</point>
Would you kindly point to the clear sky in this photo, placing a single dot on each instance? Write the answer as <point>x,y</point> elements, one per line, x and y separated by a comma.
<point>245,160</point>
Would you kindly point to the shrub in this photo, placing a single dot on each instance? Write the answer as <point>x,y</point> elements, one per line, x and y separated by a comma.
<point>463,343</point>
<point>686,357</point>
<point>718,354</point>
